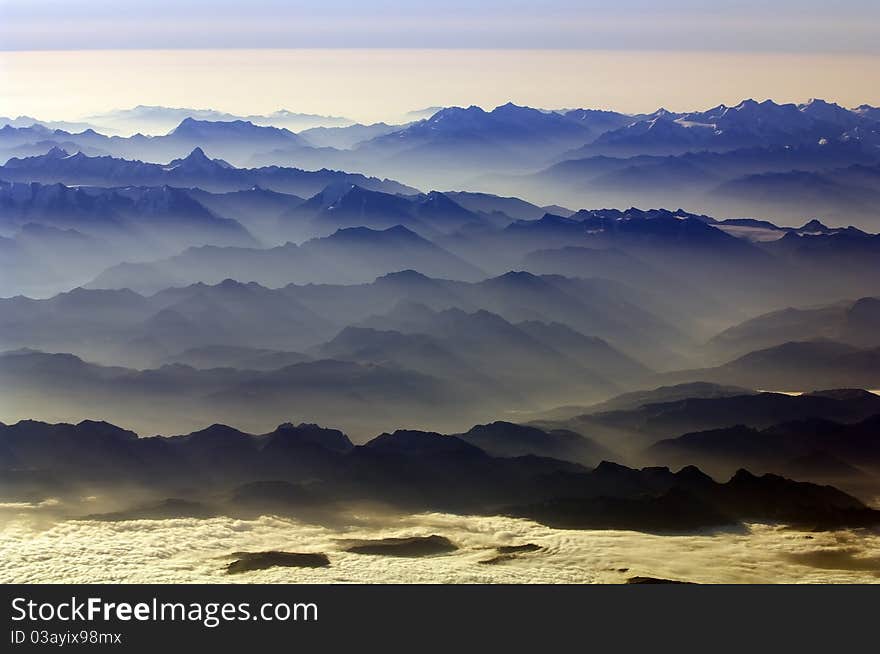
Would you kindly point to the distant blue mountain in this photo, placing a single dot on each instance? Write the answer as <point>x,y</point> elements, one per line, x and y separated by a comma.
<point>349,205</point>
<point>126,214</point>
<point>747,124</point>
<point>506,127</point>
<point>194,170</point>
<point>160,120</point>
<point>351,255</point>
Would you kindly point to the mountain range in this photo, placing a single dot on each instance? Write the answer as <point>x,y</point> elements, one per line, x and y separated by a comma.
<point>151,119</point>
<point>847,454</point>
<point>377,323</point>
<point>194,170</point>
<point>412,470</point>
<point>752,159</point>
<point>645,418</point>
<point>511,311</point>
<point>855,323</point>
<point>348,256</point>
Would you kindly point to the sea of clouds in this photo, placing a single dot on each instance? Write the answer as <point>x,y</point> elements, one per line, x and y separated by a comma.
<point>197,550</point>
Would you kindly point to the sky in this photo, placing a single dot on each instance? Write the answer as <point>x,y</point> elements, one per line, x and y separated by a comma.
<point>377,60</point>
<point>742,25</point>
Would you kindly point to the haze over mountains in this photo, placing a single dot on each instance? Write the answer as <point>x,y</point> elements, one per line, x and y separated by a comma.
<point>511,312</point>
<point>413,471</point>
<point>758,159</point>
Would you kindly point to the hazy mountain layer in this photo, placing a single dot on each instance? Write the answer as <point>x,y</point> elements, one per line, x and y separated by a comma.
<point>546,342</point>
<point>784,161</point>
<point>411,470</point>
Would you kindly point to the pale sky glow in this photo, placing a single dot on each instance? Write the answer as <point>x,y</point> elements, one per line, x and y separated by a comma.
<point>378,60</point>
<point>370,85</point>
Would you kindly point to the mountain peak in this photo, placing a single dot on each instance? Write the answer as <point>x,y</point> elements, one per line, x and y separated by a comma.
<point>57,153</point>
<point>367,233</point>
<point>453,112</point>
<point>197,154</point>
<point>516,278</point>
<point>510,107</point>
<point>408,275</point>
<point>814,225</point>
<point>198,159</point>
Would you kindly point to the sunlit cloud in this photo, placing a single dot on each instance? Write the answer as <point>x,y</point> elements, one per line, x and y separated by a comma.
<point>196,551</point>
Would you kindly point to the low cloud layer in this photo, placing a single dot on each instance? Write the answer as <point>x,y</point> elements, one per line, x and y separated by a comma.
<point>197,551</point>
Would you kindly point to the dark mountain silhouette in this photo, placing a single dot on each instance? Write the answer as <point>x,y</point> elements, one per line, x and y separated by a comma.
<point>509,440</point>
<point>690,500</point>
<point>636,399</point>
<point>437,472</point>
<point>814,447</point>
<point>632,428</point>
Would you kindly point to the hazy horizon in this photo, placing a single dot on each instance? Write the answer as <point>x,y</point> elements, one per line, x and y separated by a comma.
<point>371,85</point>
